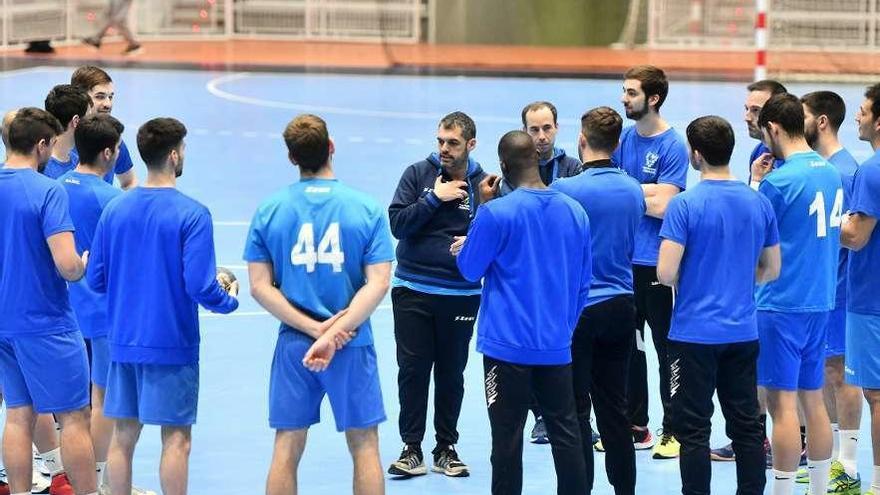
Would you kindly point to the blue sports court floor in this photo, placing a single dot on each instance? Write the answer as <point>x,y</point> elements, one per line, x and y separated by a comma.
<point>235,157</point>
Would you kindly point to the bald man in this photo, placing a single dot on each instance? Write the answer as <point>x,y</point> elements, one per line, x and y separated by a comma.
<point>506,246</point>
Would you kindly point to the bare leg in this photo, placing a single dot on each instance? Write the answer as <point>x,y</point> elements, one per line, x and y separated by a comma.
<point>17,450</point>
<point>76,450</point>
<point>364,447</point>
<point>289,447</point>
<point>102,427</point>
<point>125,436</point>
<point>786,440</point>
<point>174,466</point>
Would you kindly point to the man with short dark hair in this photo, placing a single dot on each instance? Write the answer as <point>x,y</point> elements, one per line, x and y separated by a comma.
<point>163,240</point>
<point>43,361</point>
<point>807,196</point>
<point>719,239</point>
<point>434,306</point>
<point>602,342</point>
<point>859,234</point>
<point>655,155</point>
<point>824,112</point>
<point>99,86</point>
<point>69,104</point>
<point>319,257</point>
<point>528,313</point>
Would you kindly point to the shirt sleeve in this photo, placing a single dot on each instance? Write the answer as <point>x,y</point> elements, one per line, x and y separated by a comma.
<point>56,212</point>
<point>411,207</point>
<point>674,165</point>
<point>481,246</point>
<point>123,161</point>
<point>675,222</point>
<point>96,269</point>
<point>255,249</point>
<point>200,268</point>
<point>774,195</point>
<point>866,191</point>
<point>586,271</point>
<point>771,231</point>
<point>379,248</point>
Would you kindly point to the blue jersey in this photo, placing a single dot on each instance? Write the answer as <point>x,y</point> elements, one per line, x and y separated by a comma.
<point>807,196</point>
<point>88,194</point>
<point>153,254</point>
<point>529,309</point>
<point>660,159</point>
<point>33,296</point>
<point>847,166</point>
<point>723,225</point>
<point>615,205</point>
<point>56,169</point>
<point>864,264</point>
<point>318,234</point>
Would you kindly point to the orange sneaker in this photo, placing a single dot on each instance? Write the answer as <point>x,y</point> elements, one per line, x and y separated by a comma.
<point>60,485</point>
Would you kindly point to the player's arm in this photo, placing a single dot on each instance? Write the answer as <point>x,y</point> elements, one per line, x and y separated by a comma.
<point>364,302</point>
<point>480,246</point>
<point>769,265</point>
<point>856,230</point>
<point>127,179</point>
<point>669,262</point>
<point>411,209</point>
<point>200,268</point>
<point>264,291</point>
<point>67,261</point>
<point>657,197</point>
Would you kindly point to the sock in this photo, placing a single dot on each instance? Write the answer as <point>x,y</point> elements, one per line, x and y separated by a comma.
<point>835,436</point>
<point>763,419</point>
<point>803,437</point>
<point>875,481</point>
<point>849,444</point>
<point>22,493</point>
<point>52,460</point>
<point>819,472</point>
<point>783,482</point>
<point>101,469</point>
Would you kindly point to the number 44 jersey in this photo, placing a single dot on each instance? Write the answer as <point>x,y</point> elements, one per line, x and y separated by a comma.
<point>318,235</point>
<point>807,196</point>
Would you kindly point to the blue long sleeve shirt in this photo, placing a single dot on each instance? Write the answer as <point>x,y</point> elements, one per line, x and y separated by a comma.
<point>153,254</point>
<point>529,308</point>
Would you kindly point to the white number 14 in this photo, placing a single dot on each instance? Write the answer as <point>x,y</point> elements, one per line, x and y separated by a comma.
<point>328,252</point>
<point>817,207</point>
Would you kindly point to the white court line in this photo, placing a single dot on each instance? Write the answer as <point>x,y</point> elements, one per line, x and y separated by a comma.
<point>246,314</point>
<point>31,70</point>
<point>213,87</point>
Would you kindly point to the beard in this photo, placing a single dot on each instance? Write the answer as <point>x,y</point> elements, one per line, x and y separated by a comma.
<point>812,135</point>
<point>636,114</point>
<point>755,132</point>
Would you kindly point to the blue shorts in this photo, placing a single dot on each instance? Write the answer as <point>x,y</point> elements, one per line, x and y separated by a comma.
<point>100,360</point>
<point>792,353</point>
<point>863,356</point>
<point>154,394</point>
<point>351,382</point>
<point>836,344</point>
<point>49,372</point>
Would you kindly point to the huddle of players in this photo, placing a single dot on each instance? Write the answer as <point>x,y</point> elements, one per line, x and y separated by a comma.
<point>319,259</point>
<point>790,266</point>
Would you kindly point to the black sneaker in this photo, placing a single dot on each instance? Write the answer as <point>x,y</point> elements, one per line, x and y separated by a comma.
<point>93,42</point>
<point>411,463</point>
<point>132,49</point>
<point>446,461</point>
<point>539,432</point>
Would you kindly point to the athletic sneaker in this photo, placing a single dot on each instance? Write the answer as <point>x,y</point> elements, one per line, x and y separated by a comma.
<point>132,49</point>
<point>39,465</point>
<point>843,483</point>
<point>594,436</point>
<point>105,490</point>
<point>446,461</point>
<point>411,462</point>
<point>723,454</point>
<point>93,42</point>
<point>667,448</point>
<point>4,483</point>
<point>539,432</point>
<point>60,485</point>
<point>642,438</point>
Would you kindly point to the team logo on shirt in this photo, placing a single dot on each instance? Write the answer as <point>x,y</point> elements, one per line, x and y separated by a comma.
<point>465,203</point>
<point>650,166</point>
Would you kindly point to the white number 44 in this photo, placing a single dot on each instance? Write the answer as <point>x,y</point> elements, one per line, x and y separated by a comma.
<point>817,207</point>
<point>328,251</point>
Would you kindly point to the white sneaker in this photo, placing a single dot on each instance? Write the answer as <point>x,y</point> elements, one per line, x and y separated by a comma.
<point>40,483</point>
<point>39,465</point>
<point>105,490</point>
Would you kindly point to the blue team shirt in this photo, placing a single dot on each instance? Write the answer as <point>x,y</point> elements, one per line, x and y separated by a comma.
<point>55,168</point>
<point>33,296</point>
<point>529,309</point>
<point>723,225</point>
<point>844,162</point>
<point>615,205</point>
<point>660,159</point>
<point>153,254</point>
<point>864,264</point>
<point>807,196</point>
<point>318,234</point>
<point>88,194</point>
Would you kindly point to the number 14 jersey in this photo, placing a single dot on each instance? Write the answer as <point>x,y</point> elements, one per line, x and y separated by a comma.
<point>318,234</point>
<point>807,196</point>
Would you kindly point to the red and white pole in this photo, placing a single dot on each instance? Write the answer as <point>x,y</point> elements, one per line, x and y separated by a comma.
<point>760,40</point>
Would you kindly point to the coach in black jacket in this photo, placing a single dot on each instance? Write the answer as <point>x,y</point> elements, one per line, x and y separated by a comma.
<point>435,308</point>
